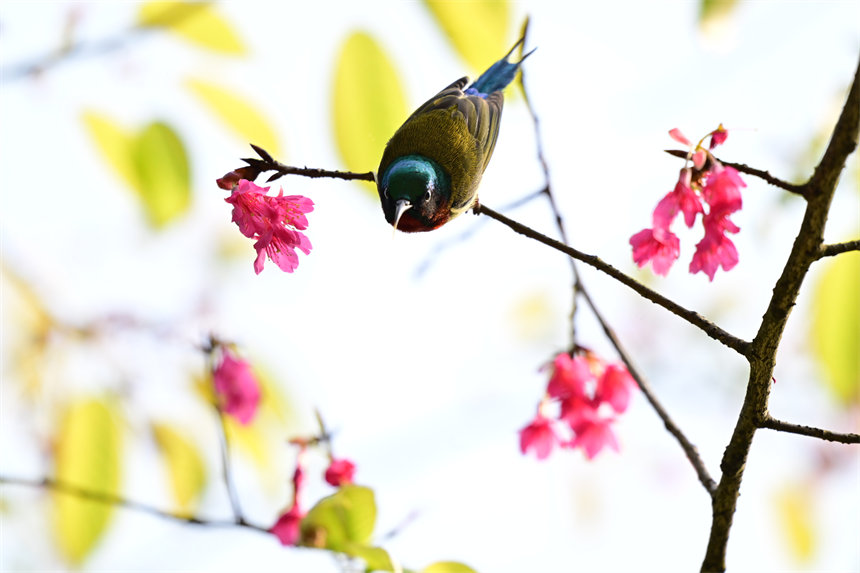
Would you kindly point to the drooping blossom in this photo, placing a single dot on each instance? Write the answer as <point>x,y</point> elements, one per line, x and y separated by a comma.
<point>592,433</point>
<point>275,222</point>
<point>538,436</point>
<point>710,183</point>
<point>569,376</point>
<point>614,387</point>
<point>339,472</point>
<point>237,388</point>
<point>288,526</point>
<point>660,247</point>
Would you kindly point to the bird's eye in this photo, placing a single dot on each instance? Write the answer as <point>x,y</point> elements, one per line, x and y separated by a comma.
<point>426,196</point>
<point>385,193</point>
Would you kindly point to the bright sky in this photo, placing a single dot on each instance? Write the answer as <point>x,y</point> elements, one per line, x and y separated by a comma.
<point>427,378</point>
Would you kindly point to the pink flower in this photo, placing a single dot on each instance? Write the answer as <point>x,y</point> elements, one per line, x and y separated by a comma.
<point>722,190</point>
<point>577,408</point>
<point>275,222</point>
<point>339,472</point>
<point>593,433</point>
<point>676,134</point>
<point>569,377</point>
<point>237,388</point>
<point>683,199</point>
<point>539,436</point>
<point>718,136</point>
<point>659,246</point>
<point>288,526</point>
<point>614,387</point>
<point>714,251</point>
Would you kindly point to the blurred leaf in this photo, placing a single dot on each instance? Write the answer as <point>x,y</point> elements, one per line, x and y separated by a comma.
<point>715,12</point>
<point>163,173</point>
<point>185,465</point>
<point>342,520</point>
<point>196,22</point>
<point>368,103</point>
<point>239,114</point>
<point>836,326</point>
<point>478,29</point>
<point>533,316</point>
<point>448,567</point>
<point>88,456</point>
<point>794,508</point>
<point>375,558</point>
<point>115,144</point>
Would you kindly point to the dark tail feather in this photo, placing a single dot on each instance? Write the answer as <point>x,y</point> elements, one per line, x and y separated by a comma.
<point>500,74</point>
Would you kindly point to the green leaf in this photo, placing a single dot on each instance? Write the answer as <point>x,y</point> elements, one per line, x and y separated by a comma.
<point>368,103</point>
<point>448,567</point>
<point>714,15</point>
<point>479,46</point>
<point>342,520</point>
<point>114,143</point>
<point>88,449</point>
<point>164,177</point>
<point>238,113</point>
<point>375,558</point>
<point>836,326</point>
<point>185,466</point>
<point>195,22</point>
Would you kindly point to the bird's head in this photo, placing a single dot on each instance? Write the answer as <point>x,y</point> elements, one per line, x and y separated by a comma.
<point>415,193</point>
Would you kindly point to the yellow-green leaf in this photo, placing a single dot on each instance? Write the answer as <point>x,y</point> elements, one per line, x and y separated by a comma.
<point>185,466</point>
<point>342,520</point>
<point>479,45</point>
<point>238,113</point>
<point>794,505</point>
<point>161,164</point>
<point>195,22</point>
<point>836,326</point>
<point>448,567</point>
<point>87,456</point>
<point>715,16</point>
<point>368,103</point>
<point>375,558</point>
<point>115,144</point>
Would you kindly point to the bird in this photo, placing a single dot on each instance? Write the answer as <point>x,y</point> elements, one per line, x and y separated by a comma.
<point>432,165</point>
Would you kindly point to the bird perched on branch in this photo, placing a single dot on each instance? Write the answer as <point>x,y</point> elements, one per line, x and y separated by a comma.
<point>432,165</point>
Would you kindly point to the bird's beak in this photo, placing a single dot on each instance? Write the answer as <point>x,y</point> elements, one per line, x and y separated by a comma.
<point>401,207</point>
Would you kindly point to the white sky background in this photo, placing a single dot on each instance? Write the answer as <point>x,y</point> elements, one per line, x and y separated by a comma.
<point>427,379</point>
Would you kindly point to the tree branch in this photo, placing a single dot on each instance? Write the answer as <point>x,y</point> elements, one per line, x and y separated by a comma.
<point>763,175</point>
<point>819,191</point>
<point>111,499</point>
<point>838,248</point>
<point>780,426</point>
<point>738,345</point>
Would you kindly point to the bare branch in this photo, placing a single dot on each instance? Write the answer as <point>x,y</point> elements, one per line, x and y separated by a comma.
<point>738,345</point>
<point>838,248</point>
<point>780,426</point>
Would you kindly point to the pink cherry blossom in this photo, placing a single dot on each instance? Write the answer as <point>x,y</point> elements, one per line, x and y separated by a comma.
<point>714,251</point>
<point>339,472</point>
<point>676,134</point>
<point>539,436</point>
<point>288,526</point>
<point>683,199</point>
<point>658,246</point>
<point>718,136</point>
<point>569,376</point>
<point>577,408</point>
<point>592,434</point>
<point>237,389</point>
<point>275,222</point>
<point>614,387</point>
<point>722,190</point>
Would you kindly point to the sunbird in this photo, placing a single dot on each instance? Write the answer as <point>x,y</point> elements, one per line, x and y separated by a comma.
<point>432,165</point>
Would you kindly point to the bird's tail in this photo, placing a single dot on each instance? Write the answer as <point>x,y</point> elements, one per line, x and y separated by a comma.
<point>499,75</point>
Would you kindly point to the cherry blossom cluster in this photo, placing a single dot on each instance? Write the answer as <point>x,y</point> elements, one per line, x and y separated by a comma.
<point>274,222</point>
<point>588,394</point>
<point>706,182</point>
<point>339,472</point>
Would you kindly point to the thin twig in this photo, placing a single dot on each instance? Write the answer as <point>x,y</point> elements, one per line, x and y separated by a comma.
<point>763,175</point>
<point>838,248</point>
<point>738,345</point>
<point>112,499</point>
<point>780,426</point>
<point>280,170</point>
